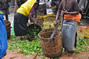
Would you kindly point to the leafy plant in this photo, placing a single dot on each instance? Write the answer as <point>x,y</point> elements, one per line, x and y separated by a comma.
<point>82,45</point>
<point>33,30</point>
<point>25,47</point>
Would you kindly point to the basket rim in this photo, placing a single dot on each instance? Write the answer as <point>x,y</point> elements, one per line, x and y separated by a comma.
<point>45,38</point>
<point>34,24</point>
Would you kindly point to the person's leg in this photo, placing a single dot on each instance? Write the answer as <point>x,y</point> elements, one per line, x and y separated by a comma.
<point>75,40</point>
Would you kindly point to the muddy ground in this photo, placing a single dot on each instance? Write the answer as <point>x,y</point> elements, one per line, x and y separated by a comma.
<point>14,55</point>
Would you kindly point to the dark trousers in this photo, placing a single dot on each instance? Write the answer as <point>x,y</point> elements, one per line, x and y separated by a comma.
<point>20,24</point>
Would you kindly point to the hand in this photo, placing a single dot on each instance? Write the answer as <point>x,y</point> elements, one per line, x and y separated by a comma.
<point>34,22</point>
<point>65,11</point>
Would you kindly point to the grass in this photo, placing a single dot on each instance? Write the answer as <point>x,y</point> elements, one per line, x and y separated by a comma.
<point>26,47</point>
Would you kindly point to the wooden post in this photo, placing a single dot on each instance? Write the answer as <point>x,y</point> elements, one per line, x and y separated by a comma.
<point>16,6</point>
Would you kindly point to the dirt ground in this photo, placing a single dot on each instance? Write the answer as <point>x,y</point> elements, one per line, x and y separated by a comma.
<point>14,55</point>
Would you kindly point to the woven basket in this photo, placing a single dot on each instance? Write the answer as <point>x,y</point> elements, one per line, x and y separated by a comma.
<point>54,48</point>
<point>8,28</point>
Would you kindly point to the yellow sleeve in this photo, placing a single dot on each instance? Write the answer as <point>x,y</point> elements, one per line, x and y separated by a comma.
<point>26,7</point>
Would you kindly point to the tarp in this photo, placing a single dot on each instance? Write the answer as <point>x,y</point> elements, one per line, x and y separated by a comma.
<point>3,37</point>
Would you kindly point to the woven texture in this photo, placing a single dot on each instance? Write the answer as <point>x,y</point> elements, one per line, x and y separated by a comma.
<point>53,48</point>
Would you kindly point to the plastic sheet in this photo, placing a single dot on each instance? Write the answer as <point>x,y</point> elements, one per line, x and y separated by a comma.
<point>3,37</point>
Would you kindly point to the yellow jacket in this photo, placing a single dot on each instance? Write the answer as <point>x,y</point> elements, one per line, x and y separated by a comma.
<point>26,7</point>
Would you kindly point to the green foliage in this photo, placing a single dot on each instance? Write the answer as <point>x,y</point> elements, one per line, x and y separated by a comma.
<point>43,58</point>
<point>33,30</point>
<point>25,47</point>
<point>82,45</point>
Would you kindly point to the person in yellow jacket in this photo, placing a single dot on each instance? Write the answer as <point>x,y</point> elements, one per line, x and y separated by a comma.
<point>21,17</point>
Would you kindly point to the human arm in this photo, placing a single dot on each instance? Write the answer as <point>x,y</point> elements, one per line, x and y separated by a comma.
<point>31,18</point>
<point>73,12</point>
<point>30,15</point>
<point>74,9</point>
